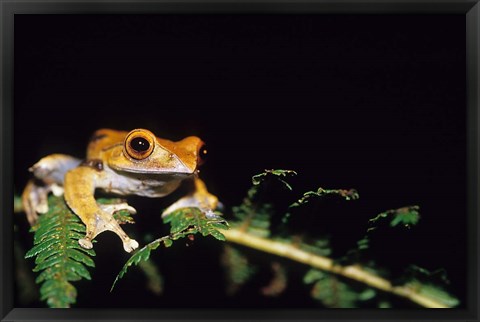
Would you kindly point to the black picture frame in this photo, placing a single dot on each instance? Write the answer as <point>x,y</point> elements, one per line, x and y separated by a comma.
<point>471,9</point>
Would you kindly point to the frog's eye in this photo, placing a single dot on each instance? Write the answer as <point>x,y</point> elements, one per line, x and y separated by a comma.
<point>139,145</point>
<point>202,154</point>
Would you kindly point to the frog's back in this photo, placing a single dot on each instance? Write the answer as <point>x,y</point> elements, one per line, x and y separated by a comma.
<point>102,140</point>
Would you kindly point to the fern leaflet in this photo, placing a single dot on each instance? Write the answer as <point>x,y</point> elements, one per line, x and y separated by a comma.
<point>183,222</point>
<point>58,256</point>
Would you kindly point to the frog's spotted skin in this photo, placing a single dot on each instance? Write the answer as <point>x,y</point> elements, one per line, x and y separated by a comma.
<point>123,163</point>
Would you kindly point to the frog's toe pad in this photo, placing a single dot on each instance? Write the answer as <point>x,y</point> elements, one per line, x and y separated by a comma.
<point>85,243</point>
<point>57,190</point>
<point>130,245</point>
<point>210,214</point>
<point>42,207</point>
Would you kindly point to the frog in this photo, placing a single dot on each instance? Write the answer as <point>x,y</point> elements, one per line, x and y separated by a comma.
<point>122,163</point>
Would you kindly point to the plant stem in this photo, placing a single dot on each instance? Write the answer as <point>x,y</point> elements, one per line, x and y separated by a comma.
<point>354,272</point>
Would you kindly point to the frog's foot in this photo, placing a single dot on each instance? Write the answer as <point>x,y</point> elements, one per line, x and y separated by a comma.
<point>129,245</point>
<point>34,200</point>
<point>206,202</point>
<point>107,222</point>
<point>199,197</point>
<point>102,222</point>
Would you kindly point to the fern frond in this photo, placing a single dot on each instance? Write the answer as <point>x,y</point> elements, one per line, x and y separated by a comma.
<point>58,256</point>
<point>278,173</point>
<point>184,222</point>
<point>406,216</point>
<point>154,278</point>
<point>330,278</point>
<point>255,216</point>
<point>238,269</point>
<point>347,194</point>
<point>333,292</point>
<point>278,283</point>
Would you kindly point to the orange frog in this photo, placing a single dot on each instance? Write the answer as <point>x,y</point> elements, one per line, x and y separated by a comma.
<point>123,163</point>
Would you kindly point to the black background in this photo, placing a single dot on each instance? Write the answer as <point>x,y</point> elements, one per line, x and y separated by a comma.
<point>372,102</point>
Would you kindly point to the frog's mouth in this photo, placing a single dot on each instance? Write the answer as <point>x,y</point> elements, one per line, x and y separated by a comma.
<point>160,162</point>
<point>156,171</point>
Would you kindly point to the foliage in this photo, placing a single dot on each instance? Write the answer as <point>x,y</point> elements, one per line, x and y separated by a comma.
<point>253,214</point>
<point>350,194</point>
<point>58,256</point>
<point>60,260</point>
<point>404,217</point>
<point>238,269</point>
<point>335,293</point>
<point>184,222</point>
<point>279,281</point>
<point>154,277</point>
<point>434,291</point>
<point>254,217</point>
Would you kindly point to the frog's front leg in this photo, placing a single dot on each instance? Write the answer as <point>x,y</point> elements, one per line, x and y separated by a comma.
<point>199,197</point>
<point>80,184</point>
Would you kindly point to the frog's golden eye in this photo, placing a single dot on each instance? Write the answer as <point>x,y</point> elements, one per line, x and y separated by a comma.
<point>139,144</point>
<point>202,154</point>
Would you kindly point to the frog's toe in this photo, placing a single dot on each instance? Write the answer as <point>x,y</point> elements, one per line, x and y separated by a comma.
<point>204,204</point>
<point>113,208</point>
<point>85,243</point>
<point>210,214</point>
<point>34,200</point>
<point>130,245</point>
<point>185,202</point>
<point>42,208</point>
<point>57,190</point>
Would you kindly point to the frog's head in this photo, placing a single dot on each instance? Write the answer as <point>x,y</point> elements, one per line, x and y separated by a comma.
<point>143,152</point>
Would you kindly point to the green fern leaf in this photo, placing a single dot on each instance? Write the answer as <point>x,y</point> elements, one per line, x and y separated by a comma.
<point>183,222</point>
<point>351,194</point>
<point>335,293</point>
<point>407,216</point>
<point>238,269</point>
<point>435,292</point>
<point>187,221</point>
<point>58,256</point>
<point>142,254</point>
<point>259,178</point>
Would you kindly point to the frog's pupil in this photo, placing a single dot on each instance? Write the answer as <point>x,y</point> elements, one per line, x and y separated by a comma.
<point>140,144</point>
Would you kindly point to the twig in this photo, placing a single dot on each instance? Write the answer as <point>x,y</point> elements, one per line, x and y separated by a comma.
<point>354,272</point>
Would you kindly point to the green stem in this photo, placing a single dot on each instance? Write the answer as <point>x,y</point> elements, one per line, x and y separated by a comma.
<point>354,272</point>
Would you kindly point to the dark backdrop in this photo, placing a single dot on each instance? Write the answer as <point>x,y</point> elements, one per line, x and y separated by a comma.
<point>372,102</point>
